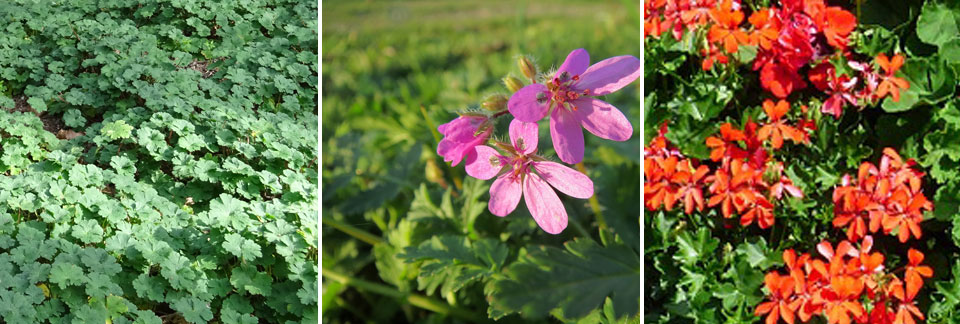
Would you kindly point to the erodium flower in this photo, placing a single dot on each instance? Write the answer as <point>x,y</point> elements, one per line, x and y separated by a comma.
<point>461,135</point>
<point>566,97</point>
<point>521,173</point>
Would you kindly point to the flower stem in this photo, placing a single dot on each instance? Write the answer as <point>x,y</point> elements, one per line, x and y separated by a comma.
<point>594,203</point>
<point>433,128</point>
<point>414,299</point>
<point>500,113</point>
<point>352,231</point>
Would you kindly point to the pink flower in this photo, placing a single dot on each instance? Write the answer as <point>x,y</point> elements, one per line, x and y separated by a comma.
<point>839,87</point>
<point>567,96</point>
<point>461,135</point>
<point>521,173</point>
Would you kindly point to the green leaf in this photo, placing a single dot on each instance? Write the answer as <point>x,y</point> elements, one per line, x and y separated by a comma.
<point>454,261</point>
<point>65,275</point>
<point>74,118</point>
<point>241,247</point>
<point>947,306</point>
<point>37,104</point>
<point>950,50</point>
<point>758,254</point>
<point>937,24</point>
<point>908,99</point>
<point>191,142</point>
<point>576,280</point>
<point>193,309</point>
<point>693,249</point>
<point>248,279</point>
<point>931,80</point>
<point>87,231</point>
<point>116,130</point>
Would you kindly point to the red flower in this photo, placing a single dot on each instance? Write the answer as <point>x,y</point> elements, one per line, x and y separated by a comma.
<point>780,81</point>
<point>836,24</point>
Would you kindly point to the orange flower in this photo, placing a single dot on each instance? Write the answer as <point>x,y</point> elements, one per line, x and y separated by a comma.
<point>712,54</point>
<point>690,182</point>
<point>726,30</point>
<point>659,190</point>
<point>721,193</point>
<point>915,273</point>
<point>843,302</point>
<point>724,145</point>
<point>907,308</point>
<point>780,306</point>
<point>890,197</point>
<point>776,129</point>
<point>908,220</point>
<point>889,83</point>
<point>842,288</point>
<point>766,26</point>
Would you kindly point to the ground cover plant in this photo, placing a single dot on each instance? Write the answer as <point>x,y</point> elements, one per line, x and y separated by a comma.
<point>801,161</point>
<point>158,162</point>
<point>440,117</point>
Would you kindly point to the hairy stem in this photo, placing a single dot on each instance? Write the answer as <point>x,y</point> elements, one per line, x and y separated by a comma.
<point>414,299</point>
<point>352,231</point>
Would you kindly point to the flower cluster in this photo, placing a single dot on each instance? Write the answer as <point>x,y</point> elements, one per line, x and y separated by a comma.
<point>567,97</point>
<point>675,16</point>
<point>847,285</point>
<point>868,87</point>
<point>671,177</point>
<point>788,38</point>
<point>747,180</point>
<point>889,197</point>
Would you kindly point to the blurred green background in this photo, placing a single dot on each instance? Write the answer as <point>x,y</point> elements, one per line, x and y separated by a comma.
<point>392,71</point>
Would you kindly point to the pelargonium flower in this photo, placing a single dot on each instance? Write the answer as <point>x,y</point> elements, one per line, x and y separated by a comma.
<point>840,88</point>
<point>524,174</point>
<point>566,98</point>
<point>461,135</point>
<point>891,84</point>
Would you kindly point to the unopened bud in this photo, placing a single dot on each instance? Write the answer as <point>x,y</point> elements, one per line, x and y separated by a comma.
<point>513,84</point>
<point>495,102</point>
<point>529,70</point>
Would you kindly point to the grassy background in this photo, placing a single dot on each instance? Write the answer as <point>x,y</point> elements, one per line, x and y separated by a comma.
<point>392,71</point>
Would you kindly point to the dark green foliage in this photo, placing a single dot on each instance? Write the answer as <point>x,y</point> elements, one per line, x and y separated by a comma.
<point>183,179</point>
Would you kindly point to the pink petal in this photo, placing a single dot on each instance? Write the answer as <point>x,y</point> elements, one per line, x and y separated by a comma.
<point>505,193</point>
<point>794,191</point>
<point>567,136</point>
<point>484,163</point>
<point>544,205</point>
<point>576,63</point>
<point>524,105</point>
<point>833,106</point>
<point>524,134</point>
<point>866,244</point>
<point>568,181</point>
<point>610,75</point>
<point>603,119</point>
<point>450,151</point>
<point>825,249</point>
